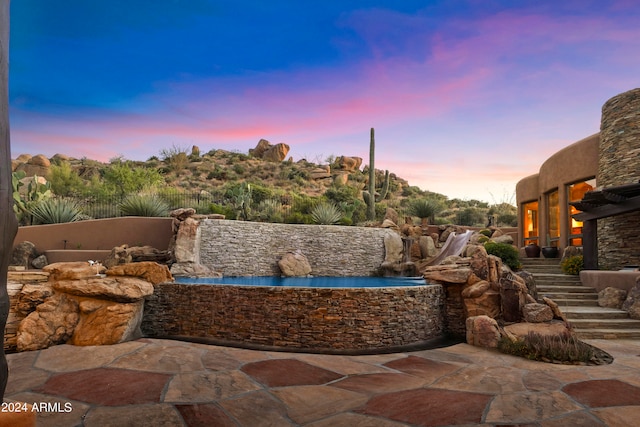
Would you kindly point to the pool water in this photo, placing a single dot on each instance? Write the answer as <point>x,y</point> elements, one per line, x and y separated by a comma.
<point>307,282</point>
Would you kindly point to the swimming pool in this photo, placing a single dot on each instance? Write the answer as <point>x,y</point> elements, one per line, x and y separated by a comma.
<point>307,282</point>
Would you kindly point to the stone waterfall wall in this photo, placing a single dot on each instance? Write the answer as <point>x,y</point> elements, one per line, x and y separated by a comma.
<point>619,164</point>
<point>238,248</point>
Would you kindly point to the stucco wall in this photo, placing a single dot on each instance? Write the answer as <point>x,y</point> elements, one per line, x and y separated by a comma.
<point>99,234</point>
<point>238,248</point>
<point>309,319</point>
<point>576,162</point>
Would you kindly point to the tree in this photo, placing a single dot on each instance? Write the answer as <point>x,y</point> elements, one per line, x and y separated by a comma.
<point>8,221</point>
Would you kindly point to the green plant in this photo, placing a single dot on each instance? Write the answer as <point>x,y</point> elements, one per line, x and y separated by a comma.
<point>144,205</point>
<point>57,211</point>
<point>270,210</point>
<point>572,265</point>
<point>485,232</point>
<point>176,158</point>
<point>242,200</point>
<point>548,348</point>
<point>506,252</point>
<point>425,209</point>
<point>370,197</point>
<point>124,177</point>
<point>25,200</point>
<point>326,213</point>
<point>65,181</point>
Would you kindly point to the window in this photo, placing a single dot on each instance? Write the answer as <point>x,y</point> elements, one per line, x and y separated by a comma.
<point>553,219</point>
<point>576,192</point>
<point>530,223</point>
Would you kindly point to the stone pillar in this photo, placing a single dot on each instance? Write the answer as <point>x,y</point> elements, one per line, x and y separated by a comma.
<point>619,164</point>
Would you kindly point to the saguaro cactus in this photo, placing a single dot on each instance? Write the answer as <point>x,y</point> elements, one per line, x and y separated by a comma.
<point>370,197</point>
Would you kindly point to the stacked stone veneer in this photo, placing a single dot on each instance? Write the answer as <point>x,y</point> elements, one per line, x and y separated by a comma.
<point>309,319</point>
<point>619,164</point>
<point>238,248</point>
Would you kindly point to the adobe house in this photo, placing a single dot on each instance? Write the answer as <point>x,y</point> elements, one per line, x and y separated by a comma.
<point>588,194</point>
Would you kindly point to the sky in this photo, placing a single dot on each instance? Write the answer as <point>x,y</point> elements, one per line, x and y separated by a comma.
<point>467,97</point>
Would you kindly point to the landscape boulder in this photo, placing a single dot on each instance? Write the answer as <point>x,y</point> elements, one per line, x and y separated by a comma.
<point>294,264</point>
<point>23,254</point>
<point>73,270</point>
<point>632,303</point>
<point>151,272</point>
<point>482,331</point>
<point>271,153</point>
<point>612,297</point>
<point>350,164</point>
<point>52,323</point>
<point>537,313</point>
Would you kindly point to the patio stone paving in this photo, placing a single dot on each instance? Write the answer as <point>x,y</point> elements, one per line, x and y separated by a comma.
<point>154,382</point>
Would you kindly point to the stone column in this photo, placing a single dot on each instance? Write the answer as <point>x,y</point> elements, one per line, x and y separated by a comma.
<point>619,164</point>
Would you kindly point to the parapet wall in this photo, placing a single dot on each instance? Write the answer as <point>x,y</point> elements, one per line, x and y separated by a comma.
<point>238,248</point>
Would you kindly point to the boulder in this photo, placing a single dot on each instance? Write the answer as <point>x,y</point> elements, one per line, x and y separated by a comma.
<point>261,148</point>
<point>73,270</point>
<point>387,223</point>
<point>187,245</point>
<point>341,178</point>
<point>537,313</point>
<point>23,254</point>
<point>570,251</point>
<point>39,262</point>
<point>391,214</point>
<point>114,288</point>
<point>486,304</point>
<point>530,282</point>
<point>557,313</point>
<point>521,330</point>
<point>119,255</point>
<point>350,164</point>
<point>513,293</point>
<point>32,295</point>
<point>479,260</point>
<point>612,297</point>
<point>504,238</point>
<point>52,323</point>
<point>39,160</point>
<point>393,248</point>
<point>632,303</point>
<point>107,322</point>
<point>482,331</point>
<point>182,213</point>
<point>319,173</point>
<point>277,153</point>
<point>191,269</point>
<point>294,264</point>
<point>149,271</point>
<point>447,274</point>
<point>475,290</point>
<point>427,247</point>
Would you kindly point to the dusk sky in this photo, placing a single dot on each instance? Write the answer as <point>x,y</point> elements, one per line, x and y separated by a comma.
<point>467,97</point>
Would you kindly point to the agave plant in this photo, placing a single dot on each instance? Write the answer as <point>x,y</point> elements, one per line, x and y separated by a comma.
<point>326,213</point>
<point>144,205</point>
<point>56,211</point>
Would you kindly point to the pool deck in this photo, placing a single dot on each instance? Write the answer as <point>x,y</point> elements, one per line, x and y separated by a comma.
<point>154,382</point>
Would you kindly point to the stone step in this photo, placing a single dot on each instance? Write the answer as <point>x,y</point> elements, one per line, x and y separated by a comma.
<point>608,334</point>
<point>565,288</point>
<point>576,302</point>
<point>584,324</point>
<point>569,295</point>
<point>578,312</point>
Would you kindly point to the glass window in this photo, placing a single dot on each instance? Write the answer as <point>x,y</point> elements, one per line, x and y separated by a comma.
<point>530,223</point>
<point>576,192</point>
<point>553,219</point>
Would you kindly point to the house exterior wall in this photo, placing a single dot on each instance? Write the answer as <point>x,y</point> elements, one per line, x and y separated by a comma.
<point>574,163</point>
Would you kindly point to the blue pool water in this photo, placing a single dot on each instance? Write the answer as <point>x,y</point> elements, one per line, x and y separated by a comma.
<point>307,282</point>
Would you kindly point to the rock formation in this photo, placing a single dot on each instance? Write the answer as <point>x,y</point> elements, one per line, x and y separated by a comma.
<point>271,153</point>
<point>294,264</point>
<point>79,306</point>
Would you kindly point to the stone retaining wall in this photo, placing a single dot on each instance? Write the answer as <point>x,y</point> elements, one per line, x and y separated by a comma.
<point>310,319</point>
<point>238,248</point>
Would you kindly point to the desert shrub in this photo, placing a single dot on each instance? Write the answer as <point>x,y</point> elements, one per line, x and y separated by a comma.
<point>506,252</point>
<point>65,181</point>
<point>269,210</point>
<point>485,232</point>
<point>298,218</point>
<point>342,194</point>
<point>572,265</point>
<point>124,177</point>
<point>470,216</point>
<point>548,348</point>
<point>508,220</point>
<point>483,239</point>
<point>227,211</point>
<point>56,211</point>
<point>176,158</point>
<point>239,169</point>
<point>326,213</point>
<point>425,209</point>
<point>149,205</point>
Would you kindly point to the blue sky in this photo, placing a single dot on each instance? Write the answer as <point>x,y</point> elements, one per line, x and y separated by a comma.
<point>467,97</point>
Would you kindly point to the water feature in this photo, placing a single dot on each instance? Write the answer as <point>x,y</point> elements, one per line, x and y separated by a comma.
<point>307,282</point>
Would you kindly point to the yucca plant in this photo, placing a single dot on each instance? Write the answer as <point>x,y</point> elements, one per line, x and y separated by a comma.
<point>144,205</point>
<point>56,211</point>
<point>425,209</point>
<point>326,213</point>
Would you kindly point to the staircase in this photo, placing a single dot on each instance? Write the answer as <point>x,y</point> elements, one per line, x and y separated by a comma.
<point>580,303</point>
